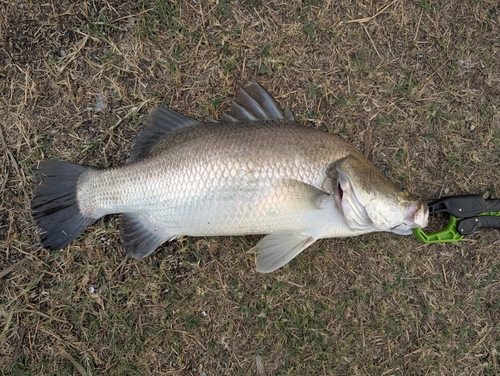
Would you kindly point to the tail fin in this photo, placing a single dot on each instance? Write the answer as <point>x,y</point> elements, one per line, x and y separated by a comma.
<point>54,206</point>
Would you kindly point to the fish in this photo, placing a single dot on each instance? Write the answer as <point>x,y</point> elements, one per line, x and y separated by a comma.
<point>257,170</point>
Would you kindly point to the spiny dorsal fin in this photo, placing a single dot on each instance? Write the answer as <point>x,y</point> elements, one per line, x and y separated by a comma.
<point>255,103</point>
<point>161,121</point>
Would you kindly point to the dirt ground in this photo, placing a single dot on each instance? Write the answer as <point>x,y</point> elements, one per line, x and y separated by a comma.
<point>415,85</point>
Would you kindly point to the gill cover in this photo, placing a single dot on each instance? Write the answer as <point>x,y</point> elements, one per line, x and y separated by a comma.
<point>370,200</point>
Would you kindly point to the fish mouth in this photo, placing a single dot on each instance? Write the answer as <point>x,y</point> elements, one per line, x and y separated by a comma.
<point>416,215</point>
<point>357,215</point>
<point>419,213</point>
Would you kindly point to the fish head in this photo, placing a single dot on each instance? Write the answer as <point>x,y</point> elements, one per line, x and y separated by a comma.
<point>371,202</point>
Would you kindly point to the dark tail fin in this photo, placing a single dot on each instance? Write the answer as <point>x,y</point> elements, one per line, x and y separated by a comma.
<point>54,206</point>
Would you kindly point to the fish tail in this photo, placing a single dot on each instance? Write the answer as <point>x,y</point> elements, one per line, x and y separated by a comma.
<point>54,206</point>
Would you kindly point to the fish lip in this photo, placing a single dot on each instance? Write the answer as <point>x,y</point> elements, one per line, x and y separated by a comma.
<point>422,214</point>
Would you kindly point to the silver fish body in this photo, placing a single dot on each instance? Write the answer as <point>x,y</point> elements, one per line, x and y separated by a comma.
<point>257,172</point>
<point>227,179</point>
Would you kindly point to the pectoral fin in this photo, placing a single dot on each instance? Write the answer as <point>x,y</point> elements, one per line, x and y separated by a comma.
<point>276,250</point>
<point>300,197</point>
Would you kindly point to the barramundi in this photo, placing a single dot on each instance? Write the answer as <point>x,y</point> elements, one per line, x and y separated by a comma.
<point>256,171</point>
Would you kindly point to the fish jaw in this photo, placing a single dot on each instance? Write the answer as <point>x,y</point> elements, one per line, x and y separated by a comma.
<point>399,217</point>
<point>417,214</point>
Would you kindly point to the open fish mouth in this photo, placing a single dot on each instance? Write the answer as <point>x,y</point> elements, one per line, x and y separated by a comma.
<point>415,215</point>
<point>418,213</point>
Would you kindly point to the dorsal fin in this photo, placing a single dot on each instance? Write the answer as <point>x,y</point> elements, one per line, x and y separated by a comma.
<point>161,121</point>
<point>255,103</point>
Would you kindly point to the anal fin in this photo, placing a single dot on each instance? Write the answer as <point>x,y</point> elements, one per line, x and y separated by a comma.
<point>138,239</point>
<point>276,250</point>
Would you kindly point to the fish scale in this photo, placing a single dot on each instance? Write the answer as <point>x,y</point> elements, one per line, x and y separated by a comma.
<point>240,176</point>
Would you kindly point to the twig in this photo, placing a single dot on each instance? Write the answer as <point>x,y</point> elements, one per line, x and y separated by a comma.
<point>360,319</point>
<point>371,40</point>
<point>444,275</point>
<point>7,154</point>
<point>368,139</point>
<point>361,20</point>
<point>17,350</point>
<point>418,25</point>
<point>12,161</point>
<point>6,271</point>
<point>77,365</point>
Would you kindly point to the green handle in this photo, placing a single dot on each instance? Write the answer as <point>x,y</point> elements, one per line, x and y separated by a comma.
<point>447,235</point>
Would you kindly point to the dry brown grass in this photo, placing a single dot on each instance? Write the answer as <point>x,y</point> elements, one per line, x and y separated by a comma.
<point>415,84</point>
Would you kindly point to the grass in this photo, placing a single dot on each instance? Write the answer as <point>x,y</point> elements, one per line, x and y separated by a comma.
<point>415,86</point>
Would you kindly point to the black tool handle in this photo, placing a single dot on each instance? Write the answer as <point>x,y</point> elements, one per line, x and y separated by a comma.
<point>492,205</point>
<point>469,225</point>
<point>464,206</point>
